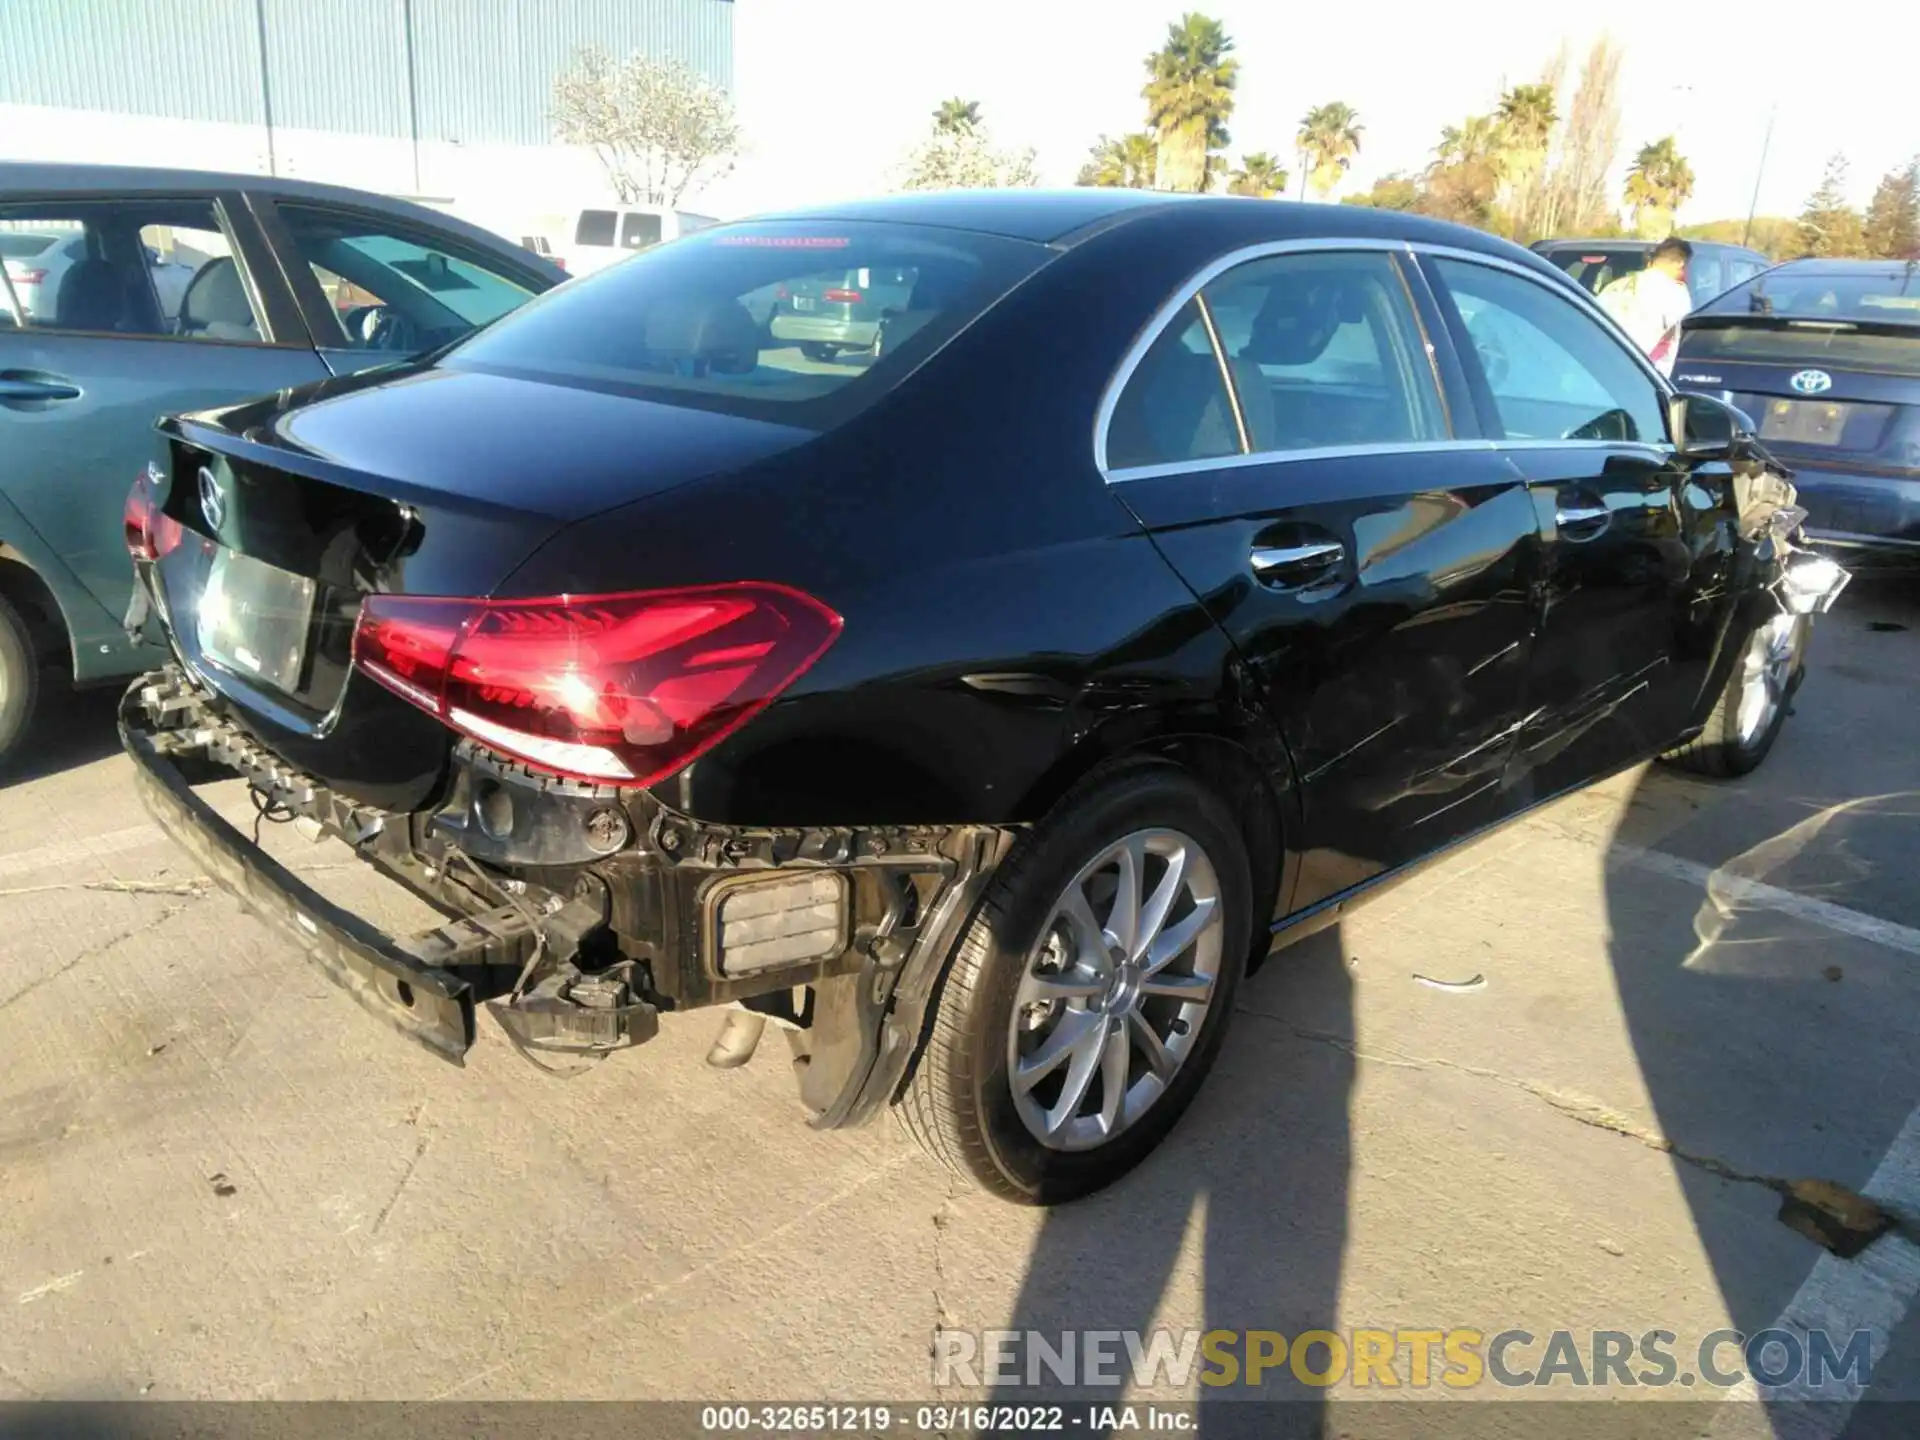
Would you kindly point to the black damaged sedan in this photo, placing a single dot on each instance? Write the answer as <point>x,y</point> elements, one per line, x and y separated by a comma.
<point>975,706</point>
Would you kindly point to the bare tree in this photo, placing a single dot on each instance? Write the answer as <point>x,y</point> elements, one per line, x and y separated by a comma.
<point>662,130</point>
<point>1576,195</point>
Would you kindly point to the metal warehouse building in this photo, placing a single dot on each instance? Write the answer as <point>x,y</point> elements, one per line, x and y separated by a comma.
<point>444,98</point>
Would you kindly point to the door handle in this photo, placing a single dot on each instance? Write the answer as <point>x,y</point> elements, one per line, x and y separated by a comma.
<point>1292,565</point>
<point>29,387</point>
<point>1581,517</point>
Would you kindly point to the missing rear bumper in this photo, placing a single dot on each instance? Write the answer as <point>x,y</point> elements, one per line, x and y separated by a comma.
<point>579,960</point>
<point>424,1002</point>
<point>425,985</point>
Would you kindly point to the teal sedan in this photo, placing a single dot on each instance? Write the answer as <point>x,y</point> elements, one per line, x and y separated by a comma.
<point>127,294</point>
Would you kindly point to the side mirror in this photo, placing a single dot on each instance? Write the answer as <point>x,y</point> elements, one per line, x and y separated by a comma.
<point>1704,428</point>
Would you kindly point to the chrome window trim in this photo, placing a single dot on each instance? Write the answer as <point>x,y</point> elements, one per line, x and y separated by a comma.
<point>1227,384</point>
<point>1324,244</point>
<point>1290,457</point>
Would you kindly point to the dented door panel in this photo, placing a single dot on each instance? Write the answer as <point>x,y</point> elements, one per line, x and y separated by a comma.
<point>1397,674</point>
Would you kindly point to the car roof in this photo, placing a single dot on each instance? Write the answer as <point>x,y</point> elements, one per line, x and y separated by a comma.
<point>1624,242</point>
<point>1617,242</point>
<point>1065,217</point>
<point>34,178</point>
<point>1891,269</point>
<point>1041,215</point>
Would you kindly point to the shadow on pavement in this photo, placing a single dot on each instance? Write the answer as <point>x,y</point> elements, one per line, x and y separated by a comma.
<point>1775,1038</point>
<point>73,728</point>
<point>1253,1181</point>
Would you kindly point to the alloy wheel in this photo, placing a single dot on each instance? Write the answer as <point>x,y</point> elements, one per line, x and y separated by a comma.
<point>1766,670</point>
<point>1113,996</point>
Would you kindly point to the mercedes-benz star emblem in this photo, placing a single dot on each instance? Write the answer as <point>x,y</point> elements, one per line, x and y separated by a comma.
<point>213,500</point>
<point>1812,382</point>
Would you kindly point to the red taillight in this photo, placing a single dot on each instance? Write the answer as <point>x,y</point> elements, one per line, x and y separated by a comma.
<point>845,297</point>
<point>622,689</point>
<point>561,261</point>
<point>151,533</point>
<point>26,277</point>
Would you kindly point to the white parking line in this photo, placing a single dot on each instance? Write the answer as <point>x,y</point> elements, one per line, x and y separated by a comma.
<point>53,857</point>
<point>1873,1293</point>
<point>1723,885</point>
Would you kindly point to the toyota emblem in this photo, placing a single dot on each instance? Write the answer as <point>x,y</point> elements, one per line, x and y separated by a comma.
<point>213,500</point>
<point>1812,382</point>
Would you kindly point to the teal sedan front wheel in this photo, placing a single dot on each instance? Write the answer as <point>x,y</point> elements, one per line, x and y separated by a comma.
<point>19,681</point>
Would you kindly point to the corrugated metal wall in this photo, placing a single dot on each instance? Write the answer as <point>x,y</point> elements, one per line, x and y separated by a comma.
<point>196,59</point>
<point>486,67</point>
<point>482,70</point>
<point>335,64</point>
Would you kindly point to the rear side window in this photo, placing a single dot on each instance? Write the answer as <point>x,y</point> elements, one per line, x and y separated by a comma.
<point>796,322</point>
<point>395,288</point>
<point>638,230</point>
<point>124,267</point>
<point>1175,406</point>
<point>595,228</point>
<point>1323,352</point>
<point>1597,266</point>
<point>1706,275</point>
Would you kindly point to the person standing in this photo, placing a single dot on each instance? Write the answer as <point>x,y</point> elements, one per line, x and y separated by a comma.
<point>1650,304</point>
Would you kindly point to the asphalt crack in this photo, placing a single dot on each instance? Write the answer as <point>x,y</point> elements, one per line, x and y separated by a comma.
<point>942,1320</point>
<point>1832,1215</point>
<point>91,953</point>
<point>406,1176</point>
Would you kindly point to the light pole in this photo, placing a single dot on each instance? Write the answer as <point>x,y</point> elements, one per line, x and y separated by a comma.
<point>266,90</point>
<point>1766,143</point>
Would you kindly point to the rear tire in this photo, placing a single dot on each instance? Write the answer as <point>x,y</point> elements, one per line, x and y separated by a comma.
<point>1043,992</point>
<point>19,682</point>
<point>818,350</point>
<point>1753,706</point>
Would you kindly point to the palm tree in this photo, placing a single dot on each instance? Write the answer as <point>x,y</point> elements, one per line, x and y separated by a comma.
<point>1528,115</point>
<point>1189,95</point>
<point>1259,174</point>
<point>1479,140</point>
<point>956,116</point>
<point>1660,182</point>
<point>1329,138</point>
<point>1123,163</point>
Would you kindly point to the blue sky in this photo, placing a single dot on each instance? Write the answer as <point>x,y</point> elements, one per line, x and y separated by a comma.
<point>832,92</point>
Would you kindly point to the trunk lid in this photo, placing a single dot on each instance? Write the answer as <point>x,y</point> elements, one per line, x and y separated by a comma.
<point>1821,394</point>
<point>431,482</point>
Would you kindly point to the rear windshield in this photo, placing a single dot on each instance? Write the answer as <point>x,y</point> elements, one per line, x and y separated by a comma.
<point>1775,343</point>
<point>797,322</point>
<point>1890,295</point>
<point>638,229</point>
<point>1817,318</point>
<point>19,245</point>
<point>1598,266</point>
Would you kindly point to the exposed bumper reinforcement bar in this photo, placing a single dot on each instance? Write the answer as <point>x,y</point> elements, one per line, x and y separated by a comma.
<point>419,1000</point>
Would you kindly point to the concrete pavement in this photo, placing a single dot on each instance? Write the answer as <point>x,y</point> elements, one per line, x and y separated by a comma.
<point>218,1178</point>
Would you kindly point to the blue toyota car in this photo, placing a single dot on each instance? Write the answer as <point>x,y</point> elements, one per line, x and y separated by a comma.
<point>1824,356</point>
